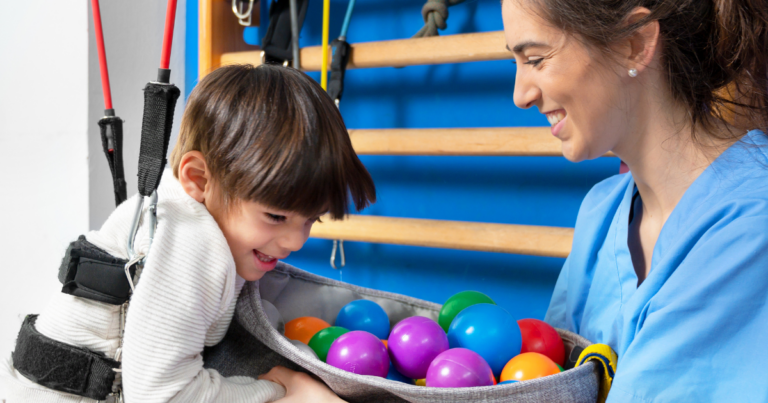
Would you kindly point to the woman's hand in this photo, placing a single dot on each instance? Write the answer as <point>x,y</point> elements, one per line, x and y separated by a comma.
<point>300,387</point>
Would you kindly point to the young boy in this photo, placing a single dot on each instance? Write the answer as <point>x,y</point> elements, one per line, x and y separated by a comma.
<point>262,153</point>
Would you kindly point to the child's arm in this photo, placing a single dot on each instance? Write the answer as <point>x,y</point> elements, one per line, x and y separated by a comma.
<point>186,288</point>
<point>300,387</point>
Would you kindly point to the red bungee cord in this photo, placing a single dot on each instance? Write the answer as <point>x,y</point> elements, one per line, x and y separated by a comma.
<point>102,55</point>
<point>170,17</point>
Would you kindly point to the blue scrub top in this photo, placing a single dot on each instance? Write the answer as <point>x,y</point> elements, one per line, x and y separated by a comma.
<point>696,330</point>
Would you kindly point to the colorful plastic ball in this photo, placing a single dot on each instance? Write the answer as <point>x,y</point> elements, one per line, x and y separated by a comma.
<point>273,315</point>
<point>414,343</point>
<point>394,375</point>
<point>529,366</point>
<point>558,366</point>
<point>322,341</point>
<point>359,352</point>
<point>459,368</point>
<point>420,382</point>
<point>540,337</point>
<point>508,382</point>
<point>385,344</point>
<point>302,329</point>
<point>304,348</point>
<point>488,330</point>
<point>457,303</point>
<point>364,315</point>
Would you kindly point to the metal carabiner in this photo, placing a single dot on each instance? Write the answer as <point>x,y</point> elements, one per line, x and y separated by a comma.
<point>242,16</point>
<point>338,244</point>
<point>137,222</point>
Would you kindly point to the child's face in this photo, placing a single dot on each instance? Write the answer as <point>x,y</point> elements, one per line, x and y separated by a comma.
<point>258,236</point>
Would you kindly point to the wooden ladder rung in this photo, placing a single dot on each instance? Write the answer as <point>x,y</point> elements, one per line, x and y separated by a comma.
<point>504,238</point>
<point>401,52</point>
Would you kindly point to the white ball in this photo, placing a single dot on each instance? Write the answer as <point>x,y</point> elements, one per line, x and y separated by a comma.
<point>275,319</point>
<point>304,348</point>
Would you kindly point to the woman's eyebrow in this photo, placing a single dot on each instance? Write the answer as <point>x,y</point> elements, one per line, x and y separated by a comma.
<point>521,47</point>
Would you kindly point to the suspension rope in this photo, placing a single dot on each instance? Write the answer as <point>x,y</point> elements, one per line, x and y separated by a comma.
<point>435,14</point>
<point>347,18</point>
<point>102,55</point>
<point>170,18</point>
<point>326,28</point>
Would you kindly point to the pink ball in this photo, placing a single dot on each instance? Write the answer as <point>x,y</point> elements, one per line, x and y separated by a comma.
<point>459,368</point>
<point>414,343</point>
<point>361,353</point>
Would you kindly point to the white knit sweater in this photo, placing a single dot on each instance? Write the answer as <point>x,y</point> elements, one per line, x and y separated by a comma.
<point>184,301</point>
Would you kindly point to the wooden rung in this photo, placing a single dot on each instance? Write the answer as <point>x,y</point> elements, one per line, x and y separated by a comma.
<point>402,52</point>
<point>492,141</point>
<point>505,238</point>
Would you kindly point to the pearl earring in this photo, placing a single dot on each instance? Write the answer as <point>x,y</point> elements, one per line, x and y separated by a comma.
<point>633,72</point>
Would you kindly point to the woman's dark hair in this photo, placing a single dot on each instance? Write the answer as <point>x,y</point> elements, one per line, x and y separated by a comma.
<point>715,52</point>
<point>270,134</point>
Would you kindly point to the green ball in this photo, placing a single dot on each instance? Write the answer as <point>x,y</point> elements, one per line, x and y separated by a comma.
<point>322,340</point>
<point>457,303</point>
<point>561,368</point>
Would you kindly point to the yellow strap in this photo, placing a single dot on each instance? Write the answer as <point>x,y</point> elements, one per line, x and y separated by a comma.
<point>604,356</point>
<point>326,28</point>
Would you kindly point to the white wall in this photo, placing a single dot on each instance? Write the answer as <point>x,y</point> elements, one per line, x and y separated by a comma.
<point>43,150</point>
<point>56,182</point>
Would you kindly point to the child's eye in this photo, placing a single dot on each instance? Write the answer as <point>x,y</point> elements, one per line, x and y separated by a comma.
<point>276,217</point>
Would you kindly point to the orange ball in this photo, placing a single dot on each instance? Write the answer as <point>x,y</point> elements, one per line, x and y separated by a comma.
<point>302,329</point>
<point>385,344</point>
<point>528,366</point>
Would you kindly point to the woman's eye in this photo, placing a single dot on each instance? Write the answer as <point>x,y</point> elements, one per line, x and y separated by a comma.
<point>534,62</point>
<point>276,217</point>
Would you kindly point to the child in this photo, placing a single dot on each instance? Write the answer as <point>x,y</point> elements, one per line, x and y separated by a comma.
<point>262,153</point>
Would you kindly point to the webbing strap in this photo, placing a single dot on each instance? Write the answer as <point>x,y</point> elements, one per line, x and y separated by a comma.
<point>112,143</point>
<point>159,103</point>
<point>89,272</point>
<point>62,367</point>
<point>341,51</point>
<point>277,41</point>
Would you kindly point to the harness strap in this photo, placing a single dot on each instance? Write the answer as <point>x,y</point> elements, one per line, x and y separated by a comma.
<point>89,272</point>
<point>341,51</point>
<point>159,103</point>
<point>277,42</point>
<point>112,143</point>
<point>60,366</point>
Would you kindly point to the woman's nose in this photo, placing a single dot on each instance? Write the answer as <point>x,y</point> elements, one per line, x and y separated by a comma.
<point>526,92</point>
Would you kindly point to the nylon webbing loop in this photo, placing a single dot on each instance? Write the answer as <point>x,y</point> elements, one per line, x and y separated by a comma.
<point>341,51</point>
<point>62,367</point>
<point>277,41</point>
<point>112,142</point>
<point>89,272</point>
<point>159,103</point>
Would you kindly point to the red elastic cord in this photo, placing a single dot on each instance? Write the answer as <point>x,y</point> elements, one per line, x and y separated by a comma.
<point>170,17</point>
<point>102,55</point>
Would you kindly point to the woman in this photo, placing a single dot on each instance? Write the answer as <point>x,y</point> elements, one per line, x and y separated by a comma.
<point>669,264</point>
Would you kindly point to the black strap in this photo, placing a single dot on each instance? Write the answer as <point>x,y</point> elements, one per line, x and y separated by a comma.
<point>341,51</point>
<point>277,42</point>
<point>573,358</point>
<point>159,103</point>
<point>89,272</point>
<point>62,367</point>
<point>112,143</point>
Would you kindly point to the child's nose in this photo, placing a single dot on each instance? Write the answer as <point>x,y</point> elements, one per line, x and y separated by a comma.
<point>293,240</point>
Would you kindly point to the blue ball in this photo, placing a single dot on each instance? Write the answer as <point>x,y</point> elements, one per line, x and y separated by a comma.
<point>509,381</point>
<point>394,375</point>
<point>488,330</point>
<point>364,315</point>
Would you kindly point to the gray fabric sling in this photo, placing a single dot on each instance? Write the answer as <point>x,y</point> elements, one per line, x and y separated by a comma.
<point>252,347</point>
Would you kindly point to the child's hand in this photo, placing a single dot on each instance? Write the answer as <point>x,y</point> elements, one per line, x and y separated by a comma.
<point>300,387</point>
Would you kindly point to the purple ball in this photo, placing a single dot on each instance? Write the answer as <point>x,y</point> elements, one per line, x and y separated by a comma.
<point>459,368</point>
<point>414,343</point>
<point>359,352</point>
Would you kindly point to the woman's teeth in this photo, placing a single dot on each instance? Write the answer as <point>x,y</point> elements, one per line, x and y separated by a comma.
<point>555,118</point>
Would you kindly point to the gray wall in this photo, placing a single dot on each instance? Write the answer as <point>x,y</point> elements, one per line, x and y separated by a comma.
<point>133,35</point>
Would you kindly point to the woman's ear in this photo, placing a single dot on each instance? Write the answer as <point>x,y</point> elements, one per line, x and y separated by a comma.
<point>644,42</point>
<point>194,175</point>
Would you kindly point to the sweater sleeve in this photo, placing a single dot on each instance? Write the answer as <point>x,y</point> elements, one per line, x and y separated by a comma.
<point>188,284</point>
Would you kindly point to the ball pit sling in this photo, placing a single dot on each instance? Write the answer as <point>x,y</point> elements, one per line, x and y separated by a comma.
<point>252,346</point>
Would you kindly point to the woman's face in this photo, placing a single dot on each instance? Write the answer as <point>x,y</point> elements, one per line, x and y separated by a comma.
<point>581,93</point>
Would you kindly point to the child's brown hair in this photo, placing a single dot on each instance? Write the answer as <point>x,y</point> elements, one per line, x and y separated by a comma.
<point>270,134</point>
